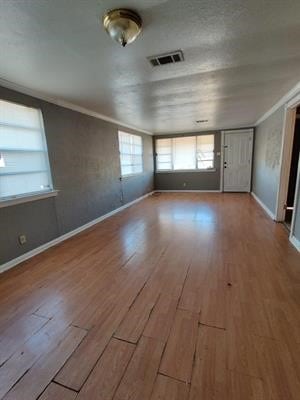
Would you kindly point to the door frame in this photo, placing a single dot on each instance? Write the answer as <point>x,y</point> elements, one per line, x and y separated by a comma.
<point>222,153</point>
<point>286,158</point>
<point>297,188</point>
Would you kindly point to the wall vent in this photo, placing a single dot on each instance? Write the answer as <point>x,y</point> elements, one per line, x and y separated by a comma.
<point>166,58</point>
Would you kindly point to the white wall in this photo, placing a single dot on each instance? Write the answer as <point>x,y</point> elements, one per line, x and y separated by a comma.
<point>266,161</point>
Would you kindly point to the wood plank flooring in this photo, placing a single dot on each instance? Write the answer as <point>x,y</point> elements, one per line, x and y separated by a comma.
<point>179,297</point>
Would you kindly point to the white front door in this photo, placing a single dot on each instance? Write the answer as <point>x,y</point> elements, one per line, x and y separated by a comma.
<point>237,158</point>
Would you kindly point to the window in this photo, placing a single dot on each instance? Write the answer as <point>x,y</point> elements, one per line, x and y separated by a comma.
<point>24,165</point>
<point>164,154</point>
<point>131,154</point>
<point>185,153</point>
<point>205,151</point>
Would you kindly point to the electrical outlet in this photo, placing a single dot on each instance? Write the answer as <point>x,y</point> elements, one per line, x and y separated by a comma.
<point>184,184</point>
<point>22,239</point>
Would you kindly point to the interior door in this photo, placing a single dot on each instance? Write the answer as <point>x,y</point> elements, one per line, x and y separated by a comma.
<point>237,158</point>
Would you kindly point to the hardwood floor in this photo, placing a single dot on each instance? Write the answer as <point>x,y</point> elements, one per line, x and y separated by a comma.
<point>179,297</point>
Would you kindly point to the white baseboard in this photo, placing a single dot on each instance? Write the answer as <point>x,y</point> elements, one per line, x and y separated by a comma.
<point>43,247</point>
<point>295,242</point>
<point>187,191</point>
<point>263,206</point>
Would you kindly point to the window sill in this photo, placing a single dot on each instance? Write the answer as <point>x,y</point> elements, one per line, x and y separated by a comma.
<point>186,171</point>
<point>12,201</point>
<point>124,177</point>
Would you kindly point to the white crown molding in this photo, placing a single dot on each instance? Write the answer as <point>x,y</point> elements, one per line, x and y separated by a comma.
<point>204,130</point>
<point>43,247</point>
<point>286,98</point>
<point>66,104</point>
<point>34,93</point>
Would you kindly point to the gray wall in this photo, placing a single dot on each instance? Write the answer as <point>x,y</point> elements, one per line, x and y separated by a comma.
<point>297,217</point>
<point>191,180</point>
<point>266,163</point>
<point>266,160</point>
<point>84,159</point>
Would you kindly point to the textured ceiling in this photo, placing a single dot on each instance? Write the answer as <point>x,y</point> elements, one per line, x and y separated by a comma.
<point>240,58</point>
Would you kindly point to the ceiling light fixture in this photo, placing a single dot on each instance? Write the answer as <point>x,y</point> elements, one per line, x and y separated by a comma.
<point>122,25</point>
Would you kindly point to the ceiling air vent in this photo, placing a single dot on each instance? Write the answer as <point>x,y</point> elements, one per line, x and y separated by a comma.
<point>167,58</point>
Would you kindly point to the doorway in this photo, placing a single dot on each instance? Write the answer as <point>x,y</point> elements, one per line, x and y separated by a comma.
<point>237,147</point>
<point>290,201</point>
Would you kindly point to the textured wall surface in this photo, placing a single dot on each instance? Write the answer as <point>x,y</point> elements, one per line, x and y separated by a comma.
<point>35,219</point>
<point>297,217</point>
<point>191,180</point>
<point>293,197</point>
<point>297,211</point>
<point>267,148</point>
<point>266,161</point>
<point>84,159</point>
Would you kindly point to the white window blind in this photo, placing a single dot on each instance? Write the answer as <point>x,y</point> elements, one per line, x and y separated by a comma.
<point>24,165</point>
<point>205,151</point>
<point>164,154</point>
<point>131,153</point>
<point>185,153</point>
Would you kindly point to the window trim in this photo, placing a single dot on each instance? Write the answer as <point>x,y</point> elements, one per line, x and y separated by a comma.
<point>123,177</point>
<point>41,194</point>
<point>142,156</point>
<point>46,149</point>
<point>174,171</point>
<point>181,171</point>
<point>28,197</point>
